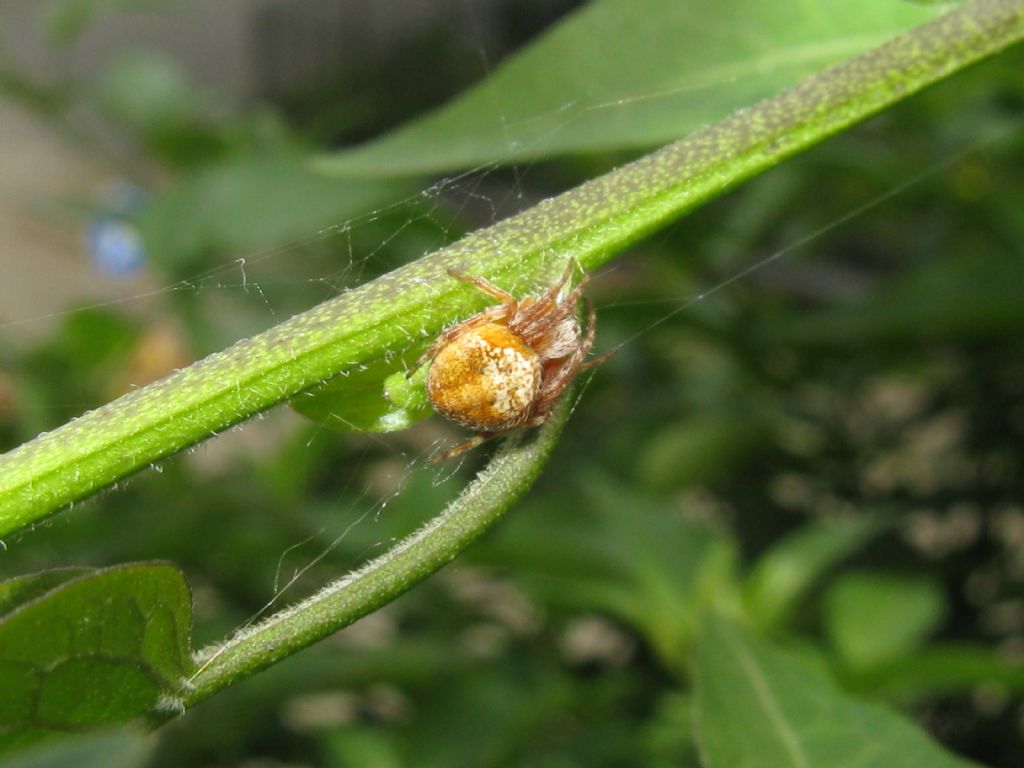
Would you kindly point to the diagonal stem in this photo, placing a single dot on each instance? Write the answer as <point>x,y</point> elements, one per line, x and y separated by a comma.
<point>481,504</point>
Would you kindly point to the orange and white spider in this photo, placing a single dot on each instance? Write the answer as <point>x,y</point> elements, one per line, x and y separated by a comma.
<point>505,368</point>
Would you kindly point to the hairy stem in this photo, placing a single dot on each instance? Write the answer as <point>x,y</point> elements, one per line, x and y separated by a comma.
<point>482,503</point>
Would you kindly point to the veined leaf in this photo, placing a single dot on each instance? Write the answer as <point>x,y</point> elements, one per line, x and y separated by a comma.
<point>97,647</point>
<point>627,74</point>
<point>758,707</point>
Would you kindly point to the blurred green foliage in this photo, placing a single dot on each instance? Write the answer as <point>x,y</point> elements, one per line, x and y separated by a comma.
<point>828,451</point>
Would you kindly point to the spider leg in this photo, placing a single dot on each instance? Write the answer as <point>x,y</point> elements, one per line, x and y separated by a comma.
<point>461,448</point>
<point>535,314</point>
<point>536,421</point>
<point>598,360</point>
<point>551,296</point>
<point>484,285</point>
<point>576,292</point>
<point>567,304</point>
<point>588,341</point>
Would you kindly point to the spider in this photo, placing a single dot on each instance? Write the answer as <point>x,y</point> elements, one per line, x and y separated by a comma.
<point>504,368</point>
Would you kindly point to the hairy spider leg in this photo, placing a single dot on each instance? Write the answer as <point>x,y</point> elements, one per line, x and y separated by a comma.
<point>553,291</point>
<point>588,340</point>
<point>469,445</point>
<point>484,285</point>
<point>535,314</point>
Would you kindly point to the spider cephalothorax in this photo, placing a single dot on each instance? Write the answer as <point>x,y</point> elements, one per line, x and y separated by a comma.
<point>505,367</point>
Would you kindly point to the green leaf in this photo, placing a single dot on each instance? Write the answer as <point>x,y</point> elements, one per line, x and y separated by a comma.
<point>784,574</point>
<point>22,589</point>
<point>95,648</point>
<point>759,707</point>
<point>373,398</point>
<point>873,618</point>
<point>629,74</point>
<point>259,201</point>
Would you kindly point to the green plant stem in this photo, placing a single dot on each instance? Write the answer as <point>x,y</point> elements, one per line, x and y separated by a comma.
<point>510,473</point>
<point>404,308</point>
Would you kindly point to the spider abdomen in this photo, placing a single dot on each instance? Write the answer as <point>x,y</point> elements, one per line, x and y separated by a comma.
<point>486,379</point>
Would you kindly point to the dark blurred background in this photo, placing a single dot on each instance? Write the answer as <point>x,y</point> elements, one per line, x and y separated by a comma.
<point>875,371</point>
